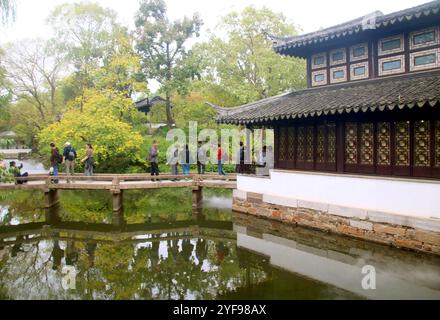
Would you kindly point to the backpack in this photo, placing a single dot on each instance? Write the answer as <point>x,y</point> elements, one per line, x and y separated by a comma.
<point>71,154</point>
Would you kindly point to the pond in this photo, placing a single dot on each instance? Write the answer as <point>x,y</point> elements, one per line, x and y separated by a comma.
<point>30,166</point>
<point>159,248</point>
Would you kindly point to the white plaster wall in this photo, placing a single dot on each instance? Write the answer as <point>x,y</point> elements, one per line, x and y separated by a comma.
<point>417,198</point>
<point>348,276</point>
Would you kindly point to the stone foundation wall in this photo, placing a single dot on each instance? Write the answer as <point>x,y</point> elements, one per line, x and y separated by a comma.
<point>405,232</point>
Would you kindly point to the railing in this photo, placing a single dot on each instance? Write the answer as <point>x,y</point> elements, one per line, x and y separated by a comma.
<point>116,181</point>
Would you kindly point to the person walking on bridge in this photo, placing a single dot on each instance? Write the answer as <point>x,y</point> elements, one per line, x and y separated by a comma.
<point>153,157</point>
<point>88,161</point>
<point>69,159</point>
<point>201,159</point>
<point>185,160</point>
<point>55,159</point>
<point>220,157</point>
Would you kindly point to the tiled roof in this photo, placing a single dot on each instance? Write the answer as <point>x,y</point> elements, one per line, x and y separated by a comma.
<point>148,103</point>
<point>356,26</point>
<point>389,93</point>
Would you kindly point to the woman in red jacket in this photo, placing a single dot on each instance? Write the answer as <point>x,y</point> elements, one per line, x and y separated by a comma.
<point>219,159</point>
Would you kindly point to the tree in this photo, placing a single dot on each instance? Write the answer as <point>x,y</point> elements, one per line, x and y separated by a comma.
<point>7,10</point>
<point>84,36</point>
<point>161,45</point>
<point>244,63</point>
<point>121,67</point>
<point>116,144</point>
<point>33,73</point>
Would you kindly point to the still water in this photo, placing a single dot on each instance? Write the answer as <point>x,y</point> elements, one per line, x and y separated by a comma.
<point>159,248</point>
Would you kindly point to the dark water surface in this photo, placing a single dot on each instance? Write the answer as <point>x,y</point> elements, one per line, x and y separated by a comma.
<point>159,248</point>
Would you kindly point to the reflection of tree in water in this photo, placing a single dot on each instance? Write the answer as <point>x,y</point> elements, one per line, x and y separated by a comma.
<point>25,206</point>
<point>125,271</point>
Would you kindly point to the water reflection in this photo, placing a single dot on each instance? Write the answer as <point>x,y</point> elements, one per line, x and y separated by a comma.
<point>211,253</point>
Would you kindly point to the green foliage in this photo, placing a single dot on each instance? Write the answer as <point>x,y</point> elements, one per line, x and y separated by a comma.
<point>244,63</point>
<point>161,46</point>
<point>116,144</point>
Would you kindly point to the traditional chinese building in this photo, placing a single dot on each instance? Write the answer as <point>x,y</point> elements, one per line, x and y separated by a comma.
<point>358,151</point>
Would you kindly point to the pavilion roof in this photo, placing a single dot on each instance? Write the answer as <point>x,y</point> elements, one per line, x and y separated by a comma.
<point>389,93</point>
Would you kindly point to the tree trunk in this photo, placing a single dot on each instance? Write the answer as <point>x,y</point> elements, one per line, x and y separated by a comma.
<point>170,120</point>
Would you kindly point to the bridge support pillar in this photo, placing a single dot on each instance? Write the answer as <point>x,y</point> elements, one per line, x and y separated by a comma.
<point>51,198</point>
<point>118,219</point>
<point>118,197</point>
<point>52,215</point>
<point>197,197</point>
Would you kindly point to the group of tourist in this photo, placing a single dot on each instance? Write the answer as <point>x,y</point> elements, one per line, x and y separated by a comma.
<point>179,156</point>
<point>68,157</point>
<point>182,156</point>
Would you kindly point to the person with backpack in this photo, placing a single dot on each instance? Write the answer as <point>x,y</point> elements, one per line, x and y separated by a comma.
<point>69,159</point>
<point>55,160</point>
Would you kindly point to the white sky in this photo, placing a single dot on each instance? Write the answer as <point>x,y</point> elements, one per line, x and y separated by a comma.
<point>309,14</point>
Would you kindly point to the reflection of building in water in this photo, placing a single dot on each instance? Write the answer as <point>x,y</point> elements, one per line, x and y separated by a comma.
<point>339,262</point>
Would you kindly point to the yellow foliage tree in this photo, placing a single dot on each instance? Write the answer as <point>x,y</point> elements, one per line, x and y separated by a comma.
<point>116,145</point>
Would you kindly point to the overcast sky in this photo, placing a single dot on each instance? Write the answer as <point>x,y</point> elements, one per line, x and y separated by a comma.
<point>310,15</point>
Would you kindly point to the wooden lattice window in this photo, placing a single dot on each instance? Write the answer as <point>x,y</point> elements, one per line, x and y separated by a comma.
<point>422,154</point>
<point>402,144</point>
<point>383,144</point>
<point>283,143</point>
<point>309,144</point>
<point>331,144</point>
<point>367,144</point>
<point>301,144</point>
<point>320,150</point>
<point>351,150</point>
<point>291,144</point>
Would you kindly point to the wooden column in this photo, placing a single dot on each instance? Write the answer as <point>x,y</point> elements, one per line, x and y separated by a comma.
<point>197,197</point>
<point>51,198</point>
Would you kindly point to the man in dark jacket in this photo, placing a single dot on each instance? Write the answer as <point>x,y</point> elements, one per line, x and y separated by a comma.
<point>55,160</point>
<point>69,155</point>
